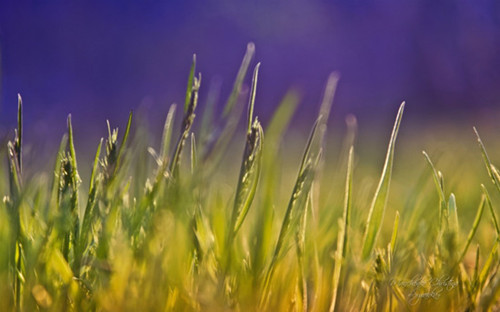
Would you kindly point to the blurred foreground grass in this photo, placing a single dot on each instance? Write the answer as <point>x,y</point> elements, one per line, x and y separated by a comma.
<point>216,220</point>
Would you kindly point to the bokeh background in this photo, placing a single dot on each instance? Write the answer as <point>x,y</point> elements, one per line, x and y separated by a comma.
<point>99,59</point>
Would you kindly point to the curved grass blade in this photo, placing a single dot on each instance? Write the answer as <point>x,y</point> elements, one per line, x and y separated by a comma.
<point>474,228</point>
<point>123,143</point>
<point>216,144</point>
<point>438,181</point>
<point>295,208</point>
<point>239,79</point>
<point>189,89</point>
<point>379,202</point>
<point>167,134</point>
<point>492,172</point>
<point>488,264</point>
<point>250,167</point>
<point>186,126</point>
<point>492,211</point>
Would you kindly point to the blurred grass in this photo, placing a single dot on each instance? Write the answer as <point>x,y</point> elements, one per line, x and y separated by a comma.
<point>210,222</point>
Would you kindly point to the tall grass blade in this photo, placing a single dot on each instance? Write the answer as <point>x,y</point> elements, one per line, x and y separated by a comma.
<point>489,263</point>
<point>167,134</point>
<point>343,236</point>
<point>295,208</point>
<point>18,143</point>
<point>187,123</point>
<point>474,228</point>
<point>489,166</point>
<point>250,167</point>
<point>492,211</point>
<point>438,181</point>
<point>123,143</point>
<point>395,232</point>
<point>269,179</point>
<point>239,79</point>
<point>189,89</point>
<point>379,202</point>
<point>251,100</point>
<point>193,153</point>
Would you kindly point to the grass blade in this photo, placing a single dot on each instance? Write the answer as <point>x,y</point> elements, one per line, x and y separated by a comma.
<point>187,123</point>
<point>123,143</point>
<point>269,179</point>
<point>167,134</point>
<point>295,208</point>
<point>438,181</point>
<point>18,143</point>
<point>474,228</point>
<point>343,237</point>
<point>250,167</point>
<point>251,100</point>
<point>492,211</point>
<point>489,166</point>
<point>189,89</point>
<point>193,153</point>
<point>239,79</point>
<point>395,232</point>
<point>379,202</point>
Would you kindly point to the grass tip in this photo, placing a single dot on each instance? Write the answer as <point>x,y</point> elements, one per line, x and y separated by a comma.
<point>251,47</point>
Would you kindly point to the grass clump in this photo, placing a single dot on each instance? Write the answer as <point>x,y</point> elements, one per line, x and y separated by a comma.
<point>170,233</point>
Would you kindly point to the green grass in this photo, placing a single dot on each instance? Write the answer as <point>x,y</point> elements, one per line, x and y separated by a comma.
<point>185,229</point>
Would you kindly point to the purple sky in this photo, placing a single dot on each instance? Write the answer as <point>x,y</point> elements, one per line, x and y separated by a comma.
<point>99,59</point>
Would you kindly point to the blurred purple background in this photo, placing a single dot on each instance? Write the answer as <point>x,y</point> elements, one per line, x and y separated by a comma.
<point>99,59</point>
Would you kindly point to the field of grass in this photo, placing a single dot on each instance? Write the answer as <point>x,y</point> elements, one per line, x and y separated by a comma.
<point>217,220</point>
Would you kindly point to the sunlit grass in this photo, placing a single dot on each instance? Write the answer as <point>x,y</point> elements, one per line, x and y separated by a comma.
<point>184,230</point>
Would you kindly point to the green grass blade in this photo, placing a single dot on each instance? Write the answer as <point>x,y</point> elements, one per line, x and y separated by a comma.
<point>14,172</point>
<point>251,100</point>
<point>19,139</point>
<point>123,143</point>
<point>438,181</point>
<point>95,166</point>
<point>395,232</point>
<point>57,170</point>
<point>492,211</point>
<point>270,179</point>
<point>239,79</point>
<point>436,177</point>
<point>474,228</point>
<point>453,215</point>
<point>72,152</point>
<point>300,243</point>
<point>187,123</point>
<point>249,176</point>
<point>489,263</point>
<point>343,236</point>
<point>379,202</point>
<point>295,208</point>
<point>193,153</point>
<point>331,87</point>
<point>189,89</point>
<point>167,133</point>
<point>207,117</point>
<point>489,166</point>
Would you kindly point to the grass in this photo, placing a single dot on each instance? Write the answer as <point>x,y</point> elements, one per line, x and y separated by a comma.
<point>182,230</point>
